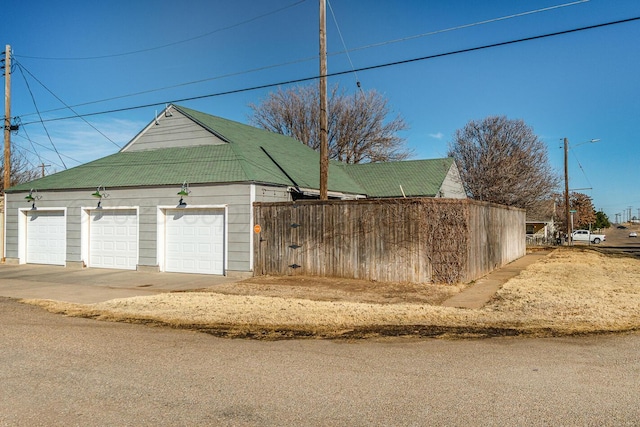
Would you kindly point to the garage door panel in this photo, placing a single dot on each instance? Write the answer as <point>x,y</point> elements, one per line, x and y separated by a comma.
<point>113,237</point>
<point>195,241</point>
<point>46,237</point>
<point>123,246</point>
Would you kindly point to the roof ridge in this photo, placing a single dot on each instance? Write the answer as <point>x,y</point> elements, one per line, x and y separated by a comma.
<point>191,113</point>
<point>188,112</point>
<point>394,162</point>
<point>256,138</point>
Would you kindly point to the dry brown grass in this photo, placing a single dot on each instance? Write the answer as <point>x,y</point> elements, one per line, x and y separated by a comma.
<point>567,292</point>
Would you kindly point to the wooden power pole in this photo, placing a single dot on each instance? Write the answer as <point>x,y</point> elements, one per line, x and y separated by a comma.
<point>566,189</point>
<point>42,165</point>
<point>7,143</point>
<point>324,121</point>
<point>7,118</point>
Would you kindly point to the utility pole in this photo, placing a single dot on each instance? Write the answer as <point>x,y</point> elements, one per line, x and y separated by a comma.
<point>7,118</point>
<point>566,188</point>
<point>42,165</point>
<point>324,120</point>
<point>7,142</point>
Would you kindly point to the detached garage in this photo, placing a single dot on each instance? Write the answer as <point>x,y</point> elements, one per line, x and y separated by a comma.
<point>179,197</point>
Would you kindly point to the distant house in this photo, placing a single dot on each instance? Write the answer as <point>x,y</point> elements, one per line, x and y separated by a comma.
<point>540,223</point>
<point>178,197</point>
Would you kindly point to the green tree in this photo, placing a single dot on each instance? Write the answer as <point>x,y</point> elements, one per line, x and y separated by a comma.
<point>602,220</point>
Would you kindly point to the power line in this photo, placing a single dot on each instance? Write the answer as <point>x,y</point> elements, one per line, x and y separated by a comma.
<point>40,116</point>
<point>344,46</point>
<point>238,73</point>
<point>368,68</point>
<point>45,147</point>
<point>65,104</point>
<point>32,146</point>
<point>475,24</point>
<point>23,157</point>
<point>37,166</point>
<point>582,169</point>
<point>301,60</point>
<point>229,27</point>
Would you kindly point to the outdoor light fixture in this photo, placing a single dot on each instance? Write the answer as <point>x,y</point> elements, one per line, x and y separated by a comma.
<point>100,195</point>
<point>184,191</point>
<point>32,197</point>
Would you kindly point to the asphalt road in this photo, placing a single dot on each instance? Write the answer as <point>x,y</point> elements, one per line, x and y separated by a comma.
<point>618,241</point>
<point>58,371</point>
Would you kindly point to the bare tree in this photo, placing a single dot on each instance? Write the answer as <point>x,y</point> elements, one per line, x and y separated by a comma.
<point>21,170</point>
<point>503,161</point>
<point>359,130</point>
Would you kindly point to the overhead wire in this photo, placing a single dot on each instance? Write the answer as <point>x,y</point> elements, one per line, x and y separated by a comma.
<point>26,159</point>
<point>67,106</point>
<point>582,169</point>
<point>344,46</point>
<point>47,148</point>
<point>32,145</point>
<point>475,24</point>
<point>34,167</point>
<point>361,69</point>
<point>301,60</point>
<point>40,116</point>
<point>144,92</point>
<point>134,52</point>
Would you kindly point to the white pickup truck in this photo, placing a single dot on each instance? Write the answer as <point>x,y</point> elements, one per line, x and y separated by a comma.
<point>587,236</point>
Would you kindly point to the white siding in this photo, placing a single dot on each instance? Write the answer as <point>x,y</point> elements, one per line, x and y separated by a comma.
<point>172,130</point>
<point>452,187</point>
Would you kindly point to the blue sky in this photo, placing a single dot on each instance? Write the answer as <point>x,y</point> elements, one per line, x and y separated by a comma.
<point>581,86</point>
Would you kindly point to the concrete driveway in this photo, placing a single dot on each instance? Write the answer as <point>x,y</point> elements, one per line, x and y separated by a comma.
<point>91,285</point>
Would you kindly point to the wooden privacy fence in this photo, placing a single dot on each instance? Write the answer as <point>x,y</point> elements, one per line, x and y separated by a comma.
<point>402,240</point>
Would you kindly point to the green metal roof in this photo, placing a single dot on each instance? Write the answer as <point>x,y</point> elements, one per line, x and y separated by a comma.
<point>416,177</point>
<point>264,155</point>
<point>249,155</point>
<point>168,166</point>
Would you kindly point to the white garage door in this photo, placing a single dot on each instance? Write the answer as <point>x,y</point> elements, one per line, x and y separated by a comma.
<point>195,241</point>
<point>46,237</point>
<point>113,239</point>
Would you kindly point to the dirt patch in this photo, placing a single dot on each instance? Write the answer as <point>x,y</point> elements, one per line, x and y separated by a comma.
<point>338,289</point>
<point>571,291</point>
